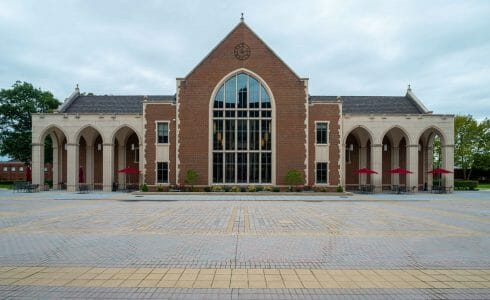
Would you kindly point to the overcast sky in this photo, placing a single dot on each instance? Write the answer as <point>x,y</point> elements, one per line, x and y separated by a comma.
<point>442,48</point>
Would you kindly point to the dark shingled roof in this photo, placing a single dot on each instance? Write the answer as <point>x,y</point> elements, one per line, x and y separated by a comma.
<point>111,104</point>
<point>373,104</point>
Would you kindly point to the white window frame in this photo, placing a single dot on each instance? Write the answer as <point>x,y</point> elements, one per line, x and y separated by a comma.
<point>5,169</point>
<point>156,132</point>
<point>328,132</point>
<point>156,173</point>
<point>316,172</point>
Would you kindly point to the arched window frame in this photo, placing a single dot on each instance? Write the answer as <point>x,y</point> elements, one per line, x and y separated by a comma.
<point>269,115</point>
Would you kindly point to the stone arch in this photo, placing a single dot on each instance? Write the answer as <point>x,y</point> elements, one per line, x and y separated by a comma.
<point>76,136</point>
<point>371,135</point>
<point>122,126</point>
<point>48,130</point>
<point>127,144</point>
<point>395,127</point>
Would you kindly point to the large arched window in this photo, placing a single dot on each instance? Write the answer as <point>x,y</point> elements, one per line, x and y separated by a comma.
<point>242,127</point>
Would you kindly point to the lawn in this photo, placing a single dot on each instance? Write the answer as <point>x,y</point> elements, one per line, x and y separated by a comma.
<point>5,186</point>
<point>484,186</point>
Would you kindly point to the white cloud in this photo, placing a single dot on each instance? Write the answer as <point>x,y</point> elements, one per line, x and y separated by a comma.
<point>344,47</point>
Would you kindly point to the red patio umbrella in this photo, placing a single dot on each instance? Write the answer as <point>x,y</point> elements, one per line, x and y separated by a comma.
<point>129,170</point>
<point>28,174</point>
<point>399,171</point>
<point>439,171</point>
<point>365,171</point>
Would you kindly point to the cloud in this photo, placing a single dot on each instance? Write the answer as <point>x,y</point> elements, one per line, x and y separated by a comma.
<point>344,47</point>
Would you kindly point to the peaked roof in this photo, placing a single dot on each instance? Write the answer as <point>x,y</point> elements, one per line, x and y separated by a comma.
<point>110,104</point>
<point>374,104</point>
<point>246,27</point>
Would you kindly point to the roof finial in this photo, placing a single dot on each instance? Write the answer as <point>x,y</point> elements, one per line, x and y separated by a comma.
<point>409,88</point>
<point>241,18</point>
<point>77,89</point>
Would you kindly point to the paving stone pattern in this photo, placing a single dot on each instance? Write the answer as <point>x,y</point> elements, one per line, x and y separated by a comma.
<point>447,239</point>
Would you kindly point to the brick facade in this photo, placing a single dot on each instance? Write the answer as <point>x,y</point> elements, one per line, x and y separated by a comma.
<point>159,112</point>
<point>288,92</point>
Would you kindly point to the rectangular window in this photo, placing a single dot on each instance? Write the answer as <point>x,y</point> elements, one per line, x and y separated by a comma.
<point>12,169</point>
<point>162,172</point>
<point>5,169</point>
<point>321,133</point>
<point>321,173</point>
<point>21,169</point>
<point>162,129</point>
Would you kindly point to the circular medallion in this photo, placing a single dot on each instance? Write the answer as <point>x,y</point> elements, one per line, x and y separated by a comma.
<point>242,51</point>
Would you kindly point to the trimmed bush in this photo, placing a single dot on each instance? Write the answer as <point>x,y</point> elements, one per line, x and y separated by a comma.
<point>252,188</point>
<point>160,188</point>
<point>276,189</point>
<point>235,189</point>
<point>340,189</point>
<point>466,185</point>
<point>144,187</point>
<point>294,178</point>
<point>217,188</point>
<point>266,188</point>
<point>207,189</point>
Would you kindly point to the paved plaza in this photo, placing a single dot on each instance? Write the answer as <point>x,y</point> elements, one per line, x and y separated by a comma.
<point>115,245</point>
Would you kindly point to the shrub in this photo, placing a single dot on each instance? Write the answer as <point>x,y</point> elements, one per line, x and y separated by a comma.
<point>466,185</point>
<point>294,178</point>
<point>259,188</point>
<point>191,178</point>
<point>252,188</point>
<point>207,189</point>
<point>49,183</point>
<point>267,189</point>
<point>217,188</point>
<point>276,189</point>
<point>226,188</point>
<point>160,188</point>
<point>235,189</point>
<point>323,190</point>
<point>340,189</point>
<point>144,187</point>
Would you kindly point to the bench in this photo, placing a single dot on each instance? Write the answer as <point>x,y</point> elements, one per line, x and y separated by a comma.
<point>83,188</point>
<point>20,186</point>
<point>32,188</point>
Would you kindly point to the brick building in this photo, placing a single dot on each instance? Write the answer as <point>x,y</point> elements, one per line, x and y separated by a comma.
<point>241,117</point>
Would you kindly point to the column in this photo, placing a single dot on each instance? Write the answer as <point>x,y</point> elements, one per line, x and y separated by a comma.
<point>413,165</point>
<point>142,165</point>
<point>448,164</point>
<point>362,164</point>
<point>89,164</point>
<point>56,178</point>
<point>377,165</point>
<point>429,167</point>
<point>72,164</point>
<point>108,167</point>
<point>37,167</point>
<point>121,164</point>
<point>395,163</point>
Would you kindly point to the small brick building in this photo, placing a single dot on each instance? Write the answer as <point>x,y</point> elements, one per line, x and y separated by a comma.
<point>241,117</point>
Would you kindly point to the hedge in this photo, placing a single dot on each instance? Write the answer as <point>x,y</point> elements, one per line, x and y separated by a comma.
<point>466,185</point>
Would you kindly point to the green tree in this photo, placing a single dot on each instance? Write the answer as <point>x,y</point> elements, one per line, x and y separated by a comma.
<point>471,141</point>
<point>294,178</point>
<point>16,106</point>
<point>191,178</point>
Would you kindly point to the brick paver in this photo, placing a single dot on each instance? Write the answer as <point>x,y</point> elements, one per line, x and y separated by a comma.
<point>243,249</point>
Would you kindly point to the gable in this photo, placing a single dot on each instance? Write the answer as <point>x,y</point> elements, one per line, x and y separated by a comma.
<point>241,48</point>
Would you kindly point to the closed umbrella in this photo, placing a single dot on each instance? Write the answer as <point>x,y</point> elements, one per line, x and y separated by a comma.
<point>28,174</point>
<point>81,178</point>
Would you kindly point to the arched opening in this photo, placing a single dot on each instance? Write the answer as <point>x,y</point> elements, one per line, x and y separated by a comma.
<point>242,134</point>
<point>394,155</point>
<point>89,169</point>
<point>357,156</point>
<point>51,160</point>
<point>431,156</point>
<point>127,155</point>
